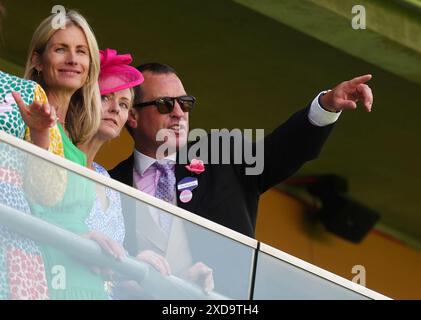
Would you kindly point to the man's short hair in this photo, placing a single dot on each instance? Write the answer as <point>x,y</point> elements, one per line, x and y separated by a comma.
<point>155,68</point>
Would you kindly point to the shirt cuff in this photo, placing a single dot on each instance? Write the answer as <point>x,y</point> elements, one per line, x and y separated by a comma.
<point>319,116</point>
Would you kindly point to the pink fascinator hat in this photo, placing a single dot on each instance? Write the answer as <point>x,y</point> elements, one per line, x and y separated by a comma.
<point>116,72</point>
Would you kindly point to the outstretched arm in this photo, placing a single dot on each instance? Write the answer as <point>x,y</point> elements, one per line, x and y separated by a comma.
<point>302,137</point>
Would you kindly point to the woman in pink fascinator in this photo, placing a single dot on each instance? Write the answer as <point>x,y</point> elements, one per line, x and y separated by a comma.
<point>116,81</point>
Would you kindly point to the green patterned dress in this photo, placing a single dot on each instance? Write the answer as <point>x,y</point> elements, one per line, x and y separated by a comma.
<point>22,272</point>
<point>67,277</point>
<point>28,271</point>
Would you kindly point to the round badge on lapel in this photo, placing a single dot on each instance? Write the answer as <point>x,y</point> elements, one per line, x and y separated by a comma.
<point>186,196</point>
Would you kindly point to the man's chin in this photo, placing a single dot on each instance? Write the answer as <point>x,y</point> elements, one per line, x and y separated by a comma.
<point>179,143</point>
<point>170,147</point>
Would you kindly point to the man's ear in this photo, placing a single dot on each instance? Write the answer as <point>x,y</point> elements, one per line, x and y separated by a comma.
<point>132,118</point>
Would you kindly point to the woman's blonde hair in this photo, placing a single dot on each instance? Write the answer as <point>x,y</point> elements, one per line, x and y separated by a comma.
<point>84,113</point>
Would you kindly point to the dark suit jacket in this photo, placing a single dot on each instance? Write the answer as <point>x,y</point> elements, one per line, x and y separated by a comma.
<point>226,195</point>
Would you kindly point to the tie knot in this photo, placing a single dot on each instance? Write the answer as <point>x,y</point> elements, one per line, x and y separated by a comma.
<point>164,167</point>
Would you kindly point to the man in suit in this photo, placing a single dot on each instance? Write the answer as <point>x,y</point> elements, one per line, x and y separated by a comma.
<point>223,193</point>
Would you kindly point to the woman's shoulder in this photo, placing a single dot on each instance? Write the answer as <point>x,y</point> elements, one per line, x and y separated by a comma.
<point>16,83</point>
<point>26,88</point>
<point>100,169</point>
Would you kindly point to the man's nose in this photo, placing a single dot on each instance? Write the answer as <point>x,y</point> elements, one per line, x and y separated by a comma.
<point>177,111</point>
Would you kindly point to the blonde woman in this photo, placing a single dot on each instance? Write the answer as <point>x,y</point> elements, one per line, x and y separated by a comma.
<point>66,63</point>
<point>22,269</point>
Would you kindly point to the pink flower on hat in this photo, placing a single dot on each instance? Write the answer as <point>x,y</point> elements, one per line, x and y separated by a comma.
<point>116,73</point>
<point>110,57</point>
<point>196,166</point>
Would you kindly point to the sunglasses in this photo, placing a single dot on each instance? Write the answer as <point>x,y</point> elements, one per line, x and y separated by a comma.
<point>166,104</point>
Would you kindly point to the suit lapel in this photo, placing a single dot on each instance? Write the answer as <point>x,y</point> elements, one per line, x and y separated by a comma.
<point>124,171</point>
<point>198,193</point>
<point>149,235</point>
<point>128,171</point>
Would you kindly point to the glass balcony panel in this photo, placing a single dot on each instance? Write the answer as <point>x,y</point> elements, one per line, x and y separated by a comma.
<point>278,279</point>
<point>47,212</point>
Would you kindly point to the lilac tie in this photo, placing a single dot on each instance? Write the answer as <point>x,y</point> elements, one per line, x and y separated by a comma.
<point>165,190</point>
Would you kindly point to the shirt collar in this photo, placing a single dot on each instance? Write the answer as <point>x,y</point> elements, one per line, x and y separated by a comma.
<point>142,162</point>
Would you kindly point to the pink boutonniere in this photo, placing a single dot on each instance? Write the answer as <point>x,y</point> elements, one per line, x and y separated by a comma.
<point>196,166</point>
